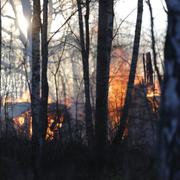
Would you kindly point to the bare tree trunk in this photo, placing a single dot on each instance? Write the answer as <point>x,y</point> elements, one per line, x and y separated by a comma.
<point>0,65</point>
<point>35,95</point>
<point>153,44</point>
<point>170,115</point>
<point>123,119</point>
<point>44,80</point>
<point>105,35</point>
<point>85,60</point>
<point>36,70</point>
<point>144,68</point>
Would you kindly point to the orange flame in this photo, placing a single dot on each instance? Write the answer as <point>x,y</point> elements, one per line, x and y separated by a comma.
<point>119,75</point>
<point>50,135</point>
<point>26,118</point>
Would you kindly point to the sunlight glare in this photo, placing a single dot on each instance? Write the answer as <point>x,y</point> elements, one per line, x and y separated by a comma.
<point>23,24</point>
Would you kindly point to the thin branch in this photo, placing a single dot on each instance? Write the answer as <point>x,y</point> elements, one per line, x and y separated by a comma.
<point>115,34</point>
<point>165,9</point>
<point>4,4</point>
<point>62,26</point>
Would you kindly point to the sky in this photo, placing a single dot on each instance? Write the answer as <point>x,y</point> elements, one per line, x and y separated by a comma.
<point>124,7</point>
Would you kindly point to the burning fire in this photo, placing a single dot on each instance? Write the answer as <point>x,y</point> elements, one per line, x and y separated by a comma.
<point>24,124</point>
<point>154,91</point>
<point>119,74</point>
<point>50,135</point>
<point>21,121</point>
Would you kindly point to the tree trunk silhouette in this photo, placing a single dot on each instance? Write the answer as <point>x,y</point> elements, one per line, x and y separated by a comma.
<point>123,119</point>
<point>0,64</point>
<point>35,95</point>
<point>36,70</point>
<point>44,80</point>
<point>84,42</point>
<point>153,44</point>
<point>170,116</point>
<point>105,34</point>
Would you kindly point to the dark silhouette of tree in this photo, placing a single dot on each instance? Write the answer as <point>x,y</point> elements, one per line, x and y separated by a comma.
<point>153,44</point>
<point>149,69</point>
<point>105,35</point>
<point>44,79</point>
<point>84,43</point>
<point>123,119</point>
<point>170,117</point>
<point>35,94</point>
<point>0,61</point>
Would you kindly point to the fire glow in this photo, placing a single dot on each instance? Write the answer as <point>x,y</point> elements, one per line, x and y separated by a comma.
<point>23,122</point>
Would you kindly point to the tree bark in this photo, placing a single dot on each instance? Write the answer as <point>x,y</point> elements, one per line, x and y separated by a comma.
<point>84,42</point>
<point>35,95</point>
<point>123,119</point>
<point>105,35</point>
<point>36,70</point>
<point>0,64</point>
<point>170,104</point>
<point>44,79</point>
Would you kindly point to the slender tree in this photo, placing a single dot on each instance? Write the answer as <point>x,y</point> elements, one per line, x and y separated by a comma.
<point>105,35</point>
<point>35,90</point>
<point>123,119</point>
<point>84,42</point>
<point>170,116</point>
<point>35,95</point>
<point>0,60</point>
<point>153,44</point>
<point>44,79</point>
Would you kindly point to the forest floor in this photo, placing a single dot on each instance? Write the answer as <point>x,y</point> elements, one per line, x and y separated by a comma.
<point>71,162</point>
